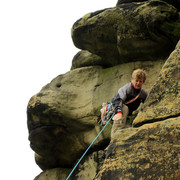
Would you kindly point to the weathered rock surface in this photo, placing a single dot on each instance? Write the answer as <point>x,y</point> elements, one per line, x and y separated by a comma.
<point>84,58</point>
<point>62,117</point>
<point>89,166</point>
<point>148,152</point>
<point>87,169</point>
<point>175,3</point>
<point>151,151</point>
<point>53,174</point>
<point>164,99</point>
<point>129,32</point>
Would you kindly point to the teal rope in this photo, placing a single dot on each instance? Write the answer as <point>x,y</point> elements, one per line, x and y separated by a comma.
<point>89,147</point>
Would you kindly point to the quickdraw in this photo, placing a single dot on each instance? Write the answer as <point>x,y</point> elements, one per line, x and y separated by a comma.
<point>106,111</point>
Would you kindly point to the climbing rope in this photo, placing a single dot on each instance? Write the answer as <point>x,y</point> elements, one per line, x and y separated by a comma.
<point>90,146</point>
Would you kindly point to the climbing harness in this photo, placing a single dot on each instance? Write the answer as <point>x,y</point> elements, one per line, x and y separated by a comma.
<point>90,146</point>
<point>106,112</point>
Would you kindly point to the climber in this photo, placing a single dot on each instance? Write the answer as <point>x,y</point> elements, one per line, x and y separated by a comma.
<point>127,99</point>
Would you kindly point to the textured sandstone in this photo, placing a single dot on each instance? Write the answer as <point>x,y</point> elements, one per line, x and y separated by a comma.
<point>164,98</point>
<point>85,58</point>
<point>62,117</point>
<point>148,152</point>
<point>129,32</point>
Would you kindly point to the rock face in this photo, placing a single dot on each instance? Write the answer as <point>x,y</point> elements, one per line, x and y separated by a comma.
<point>129,32</point>
<point>85,58</point>
<point>175,3</point>
<point>148,152</point>
<point>63,116</point>
<point>163,101</point>
<point>151,151</point>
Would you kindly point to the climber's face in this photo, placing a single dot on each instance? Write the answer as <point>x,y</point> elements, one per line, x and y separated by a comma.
<point>137,83</point>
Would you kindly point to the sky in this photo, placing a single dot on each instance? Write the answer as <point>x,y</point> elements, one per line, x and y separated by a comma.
<point>35,47</point>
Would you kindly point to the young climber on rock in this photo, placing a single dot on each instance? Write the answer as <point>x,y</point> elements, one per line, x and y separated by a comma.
<point>126,100</point>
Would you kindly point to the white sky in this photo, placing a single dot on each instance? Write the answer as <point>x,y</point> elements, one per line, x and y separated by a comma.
<point>35,47</point>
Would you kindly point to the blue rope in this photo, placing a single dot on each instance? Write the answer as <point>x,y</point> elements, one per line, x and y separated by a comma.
<point>89,147</point>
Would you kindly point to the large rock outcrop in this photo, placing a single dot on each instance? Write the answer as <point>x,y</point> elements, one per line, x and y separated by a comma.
<point>151,151</point>
<point>129,32</point>
<point>163,101</point>
<point>62,117</point>
<point>148,152</point>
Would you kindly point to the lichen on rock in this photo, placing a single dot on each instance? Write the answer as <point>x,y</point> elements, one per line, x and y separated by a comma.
<point>63,116</point>
<point>129,32</point>
<point>148,152</point>
<point>163,100</point>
